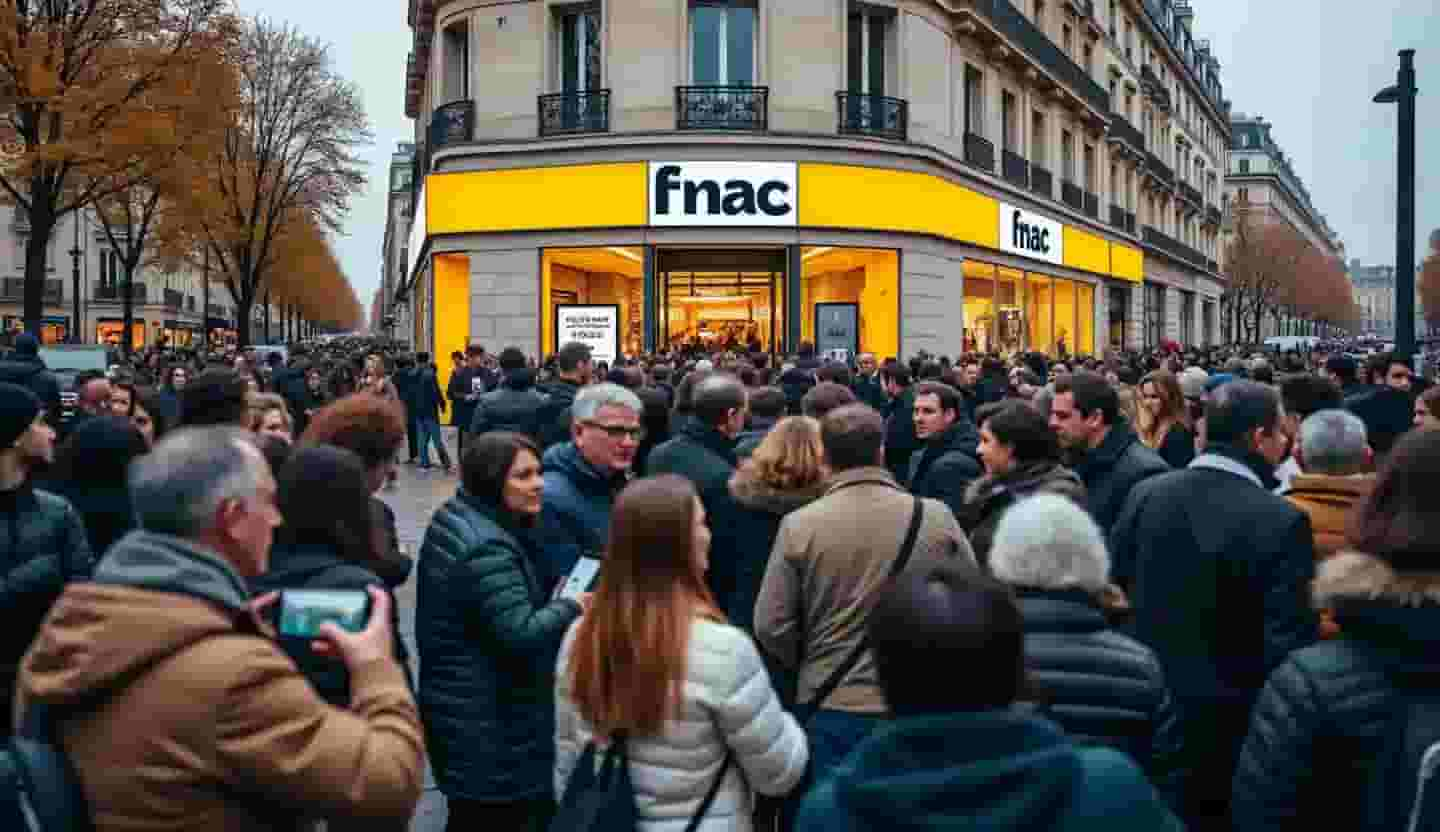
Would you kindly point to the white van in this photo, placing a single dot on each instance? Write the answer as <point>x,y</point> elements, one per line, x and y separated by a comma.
<point>1292,343</point>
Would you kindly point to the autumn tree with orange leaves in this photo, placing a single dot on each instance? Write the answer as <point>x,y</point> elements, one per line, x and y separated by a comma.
<point>1428,285</point>
<point>89,89</point>
<point>1272,271</point>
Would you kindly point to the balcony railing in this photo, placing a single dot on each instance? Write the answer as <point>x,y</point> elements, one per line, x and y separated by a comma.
<point>1014,168</point>
<point>586,111</point>
<point>873,115</point>
<point>979,152</point>
<point>138,293</point>
<point>1155,88</point>
<point>452,123</point>
<point>1192,193</point>
<point>722,108</point>
<point>1071,195</point>
<point>1004,17</point>
<point>1173,247</point>
<point>1042,181</point>
<point>1130,222</point>
<point>1092,205</point>
<point>1121,130</point>
<point>13,288</point>
<point>1117,216</point>
<point>1159,169</point>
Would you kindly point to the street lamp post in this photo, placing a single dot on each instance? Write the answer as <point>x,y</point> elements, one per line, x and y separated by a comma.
<point>76,336</point>
<point>1403,94</point>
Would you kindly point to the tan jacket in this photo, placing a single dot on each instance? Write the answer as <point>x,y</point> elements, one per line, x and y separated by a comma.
<point>204,724</point>
<point>829,559</point>
<point>1329,501</point>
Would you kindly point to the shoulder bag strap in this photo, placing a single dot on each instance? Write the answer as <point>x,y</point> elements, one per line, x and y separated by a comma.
<point>704,809</point>
<point>907,548</point>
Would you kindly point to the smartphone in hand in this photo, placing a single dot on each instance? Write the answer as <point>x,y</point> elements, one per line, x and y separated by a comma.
<point>302,611</point>
<point>580,580</point>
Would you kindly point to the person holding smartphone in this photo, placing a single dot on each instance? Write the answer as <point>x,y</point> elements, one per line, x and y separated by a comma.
<point>488,632</point>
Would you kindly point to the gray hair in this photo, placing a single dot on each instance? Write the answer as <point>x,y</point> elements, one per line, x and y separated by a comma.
<point>1333,442</point>
<point>595,396</point>
<point>176,488</point>
<point>1049,542</point>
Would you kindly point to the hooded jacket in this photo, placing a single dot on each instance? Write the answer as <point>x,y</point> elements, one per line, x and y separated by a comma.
<point>575,518</point>
<point>1320,724</point>
<point>988,497</point>
<point>202,723</point>
<point>988,770</point>
<point>946,464</point>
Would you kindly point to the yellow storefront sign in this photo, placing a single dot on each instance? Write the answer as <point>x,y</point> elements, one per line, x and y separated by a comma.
<point>851,197</point>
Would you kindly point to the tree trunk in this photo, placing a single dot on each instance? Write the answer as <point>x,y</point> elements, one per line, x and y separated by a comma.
<point>205,306</point>
<point>37,249</point>
<point>267,316</point>
<point>243,308</point>
<point>127,311</point>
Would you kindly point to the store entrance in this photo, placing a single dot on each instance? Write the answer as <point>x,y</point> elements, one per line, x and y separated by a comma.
<point>721,299</point>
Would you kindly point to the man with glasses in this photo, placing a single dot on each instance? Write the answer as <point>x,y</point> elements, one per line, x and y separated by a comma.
<point>583,476</point>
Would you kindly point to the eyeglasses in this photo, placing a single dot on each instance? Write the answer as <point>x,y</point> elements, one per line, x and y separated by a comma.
<point>618,432</point>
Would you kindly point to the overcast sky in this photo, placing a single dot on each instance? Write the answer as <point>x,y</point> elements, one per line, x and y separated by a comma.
<point>1309,68</point>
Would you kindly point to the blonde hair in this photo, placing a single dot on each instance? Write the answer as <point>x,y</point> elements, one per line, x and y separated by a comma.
<point>791,455</point>
<point>258,404</point>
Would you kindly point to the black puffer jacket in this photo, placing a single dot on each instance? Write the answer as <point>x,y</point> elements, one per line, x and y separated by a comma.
<point>946,465</point>
<point>1321,721</point>
<point>1104,688</point>
<point>514,406</point>
<point>316,566</point>
<point>988,497</point>
<point>1111,470</point>
<point>488,639</point>
<point>555,415</point>
<point>42,548</point>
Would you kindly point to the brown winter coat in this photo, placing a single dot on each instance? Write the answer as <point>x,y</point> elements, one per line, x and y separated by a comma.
<point>829,559</point>
<point>205,725</point>
<point>1329,501</point>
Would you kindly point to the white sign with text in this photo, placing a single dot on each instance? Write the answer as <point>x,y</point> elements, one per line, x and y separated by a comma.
<point>727,194</point>
<point>1030,235</point>
<point>598,327</point>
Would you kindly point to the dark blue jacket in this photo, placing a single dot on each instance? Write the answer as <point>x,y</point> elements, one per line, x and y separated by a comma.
<point>575,519</point>
<point>992,770</point>
<point>425,399</point>
<point>488,637</point>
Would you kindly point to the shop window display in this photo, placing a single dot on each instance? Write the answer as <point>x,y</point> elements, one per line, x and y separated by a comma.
<point>868,278</point>
<point>602,276</point>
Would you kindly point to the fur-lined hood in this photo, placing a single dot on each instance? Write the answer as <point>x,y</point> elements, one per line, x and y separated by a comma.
<point>752,492</point>
<point>1354,576</point>
<point>1052,478</point>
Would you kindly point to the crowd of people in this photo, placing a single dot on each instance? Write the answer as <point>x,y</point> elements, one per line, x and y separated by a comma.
<point>1158,591</point>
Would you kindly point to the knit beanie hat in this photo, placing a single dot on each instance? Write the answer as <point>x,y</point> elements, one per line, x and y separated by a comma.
<point>18,409</point>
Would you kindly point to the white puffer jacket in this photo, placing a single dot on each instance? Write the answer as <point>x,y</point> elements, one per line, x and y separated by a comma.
<point>729,701</point>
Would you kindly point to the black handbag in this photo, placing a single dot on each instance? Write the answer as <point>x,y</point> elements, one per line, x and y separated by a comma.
<point>604,800</point>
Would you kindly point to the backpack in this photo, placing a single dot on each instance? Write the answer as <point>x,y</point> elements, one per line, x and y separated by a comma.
<point>39,790</point>
<point>1403,792</point>
<point>603,800</point>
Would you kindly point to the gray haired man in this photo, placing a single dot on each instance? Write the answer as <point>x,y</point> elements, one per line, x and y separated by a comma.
<point>1335,461</point>
<point>169,674</point>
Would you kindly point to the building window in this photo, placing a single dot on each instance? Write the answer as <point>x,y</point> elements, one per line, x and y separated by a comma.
<point>1244,195</point>
<point>579,49</point>
<point>974,100</point>
<point>1244,165</point>
<point>722,43</point>
<point>1088,173</point>
<point>456,46</point>
<point>1089,59</point>
<point>1154,314</point>
<point>1067,156</point>
<point>1009,125</point>
<point>869,37</point>
<point>1038,155</point>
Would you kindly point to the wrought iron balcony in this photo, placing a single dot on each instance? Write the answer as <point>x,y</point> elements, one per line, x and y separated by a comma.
<point>577,111</point>
<point>1158,169</point>
<point>1192,194</point>
<point>1092,205</point>
<point>1042,181</point>
<point>979,152</point>
<point>1156,238</point>
<point>873,115</point>
<point>1117,216</point>
<point>1122,131</point>
<point>1071,195</point>
<point>722,108</point>
<point>13,288</point>
<point>113,292</point>
<point>1155,88</point>
<point>1014,168</point>
<point>452,123</point>
<point>1002,16</point>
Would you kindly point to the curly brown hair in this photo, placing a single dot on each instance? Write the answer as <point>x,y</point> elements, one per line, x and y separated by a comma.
<point>370,426</point>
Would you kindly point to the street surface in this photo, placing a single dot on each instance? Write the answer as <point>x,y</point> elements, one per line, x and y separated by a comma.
<point>414,497</point>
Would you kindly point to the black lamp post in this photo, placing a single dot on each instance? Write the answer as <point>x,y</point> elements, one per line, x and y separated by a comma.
<point>76,328</point>
<point>1403,93</point>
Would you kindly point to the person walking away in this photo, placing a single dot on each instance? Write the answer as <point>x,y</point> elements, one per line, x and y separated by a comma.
<point>515,405</point>
<point>1098,446</point>
<point>828,560</point>
<point>948,461</point>
<point>1164,425</point>
<point>766,409</point>
<point>655,672</point>
<point>1102,687</point>
<point>25,367</point>
<point>1021,458</point>
<point>583,476</point>
<point>428,402</point>
<point>330,542</point>
<point>1217,569</point>
<point>961,751</point>
<point>42,538</point>
<point>900,439</point>
<point>703,452</point>
<point>1325,741</point>
<point>488,633</point>
<point>1335,462</point>
<point>170,675</point>
<point>575,368</point>
<point>90,472</point>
